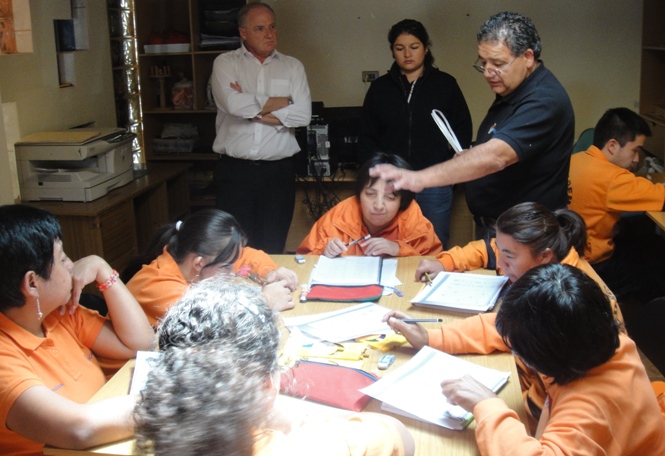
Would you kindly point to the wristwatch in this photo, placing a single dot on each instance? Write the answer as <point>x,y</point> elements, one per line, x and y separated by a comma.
<point>290,100</point>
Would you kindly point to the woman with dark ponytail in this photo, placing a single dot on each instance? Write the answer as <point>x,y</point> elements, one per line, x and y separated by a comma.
<point>206,243</point>
<point>527,235</point>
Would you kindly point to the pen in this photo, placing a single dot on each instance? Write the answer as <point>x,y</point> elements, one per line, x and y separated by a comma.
<point>429,279</point>
<point>422,320</point>
<point>364,238</point>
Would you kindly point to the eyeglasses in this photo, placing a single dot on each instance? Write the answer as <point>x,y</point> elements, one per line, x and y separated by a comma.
<point>492,71</point>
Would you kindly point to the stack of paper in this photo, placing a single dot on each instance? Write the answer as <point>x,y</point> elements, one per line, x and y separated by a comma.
<point>414,389</point>
<point>461,291</point>
<point>340,325</point>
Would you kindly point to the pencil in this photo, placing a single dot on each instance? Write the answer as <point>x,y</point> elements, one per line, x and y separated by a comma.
<point>422,320</point>
<point>364,238</point>
<point>429,279</point>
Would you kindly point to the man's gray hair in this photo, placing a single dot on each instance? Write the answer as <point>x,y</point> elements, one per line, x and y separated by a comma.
<point>245,10</point>
<point>517,32</point>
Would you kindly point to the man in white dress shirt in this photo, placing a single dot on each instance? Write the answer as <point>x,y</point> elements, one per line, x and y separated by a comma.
<point>261,96</point>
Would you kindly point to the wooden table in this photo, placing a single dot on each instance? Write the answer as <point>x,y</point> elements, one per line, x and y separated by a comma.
<point>657,216</point>
<point>430,439</point>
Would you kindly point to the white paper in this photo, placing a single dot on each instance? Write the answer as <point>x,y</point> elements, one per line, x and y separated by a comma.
<point>460,291</point>
<point>415,387</point>
<point>447,131</point>
<point>345,324</point>
<point>141,370</point>
<point>349,270</point>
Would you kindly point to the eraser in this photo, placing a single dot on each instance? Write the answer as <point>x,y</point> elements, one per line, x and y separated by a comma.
<point>299,259</point>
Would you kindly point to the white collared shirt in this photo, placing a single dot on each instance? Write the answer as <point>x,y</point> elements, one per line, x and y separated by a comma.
<point>278,76</point>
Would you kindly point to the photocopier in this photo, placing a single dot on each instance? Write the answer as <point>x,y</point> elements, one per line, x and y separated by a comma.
<point>74,165</point>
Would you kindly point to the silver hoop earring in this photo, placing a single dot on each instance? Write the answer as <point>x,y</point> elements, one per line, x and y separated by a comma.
<point>39,311</point>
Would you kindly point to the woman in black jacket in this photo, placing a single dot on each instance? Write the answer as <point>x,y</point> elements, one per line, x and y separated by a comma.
<point>397,116</point>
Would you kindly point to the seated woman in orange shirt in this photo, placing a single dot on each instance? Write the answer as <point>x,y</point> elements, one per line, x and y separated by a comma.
<point>206,243</point>
<point>50,346</point>
<point>391,221</point>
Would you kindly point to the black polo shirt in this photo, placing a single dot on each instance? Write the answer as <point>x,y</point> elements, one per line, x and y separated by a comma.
<point>538,122</point>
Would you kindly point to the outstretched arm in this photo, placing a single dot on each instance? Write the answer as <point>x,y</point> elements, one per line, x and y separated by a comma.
<point>474,163</point>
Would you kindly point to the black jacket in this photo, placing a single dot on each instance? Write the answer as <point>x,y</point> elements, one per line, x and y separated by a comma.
<point>390,124</point>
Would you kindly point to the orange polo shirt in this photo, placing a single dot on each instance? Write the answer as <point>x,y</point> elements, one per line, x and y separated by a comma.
<point>61,361</point>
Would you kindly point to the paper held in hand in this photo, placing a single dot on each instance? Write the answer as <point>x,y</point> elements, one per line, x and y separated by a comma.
<point>460,291</point>
<point>414,389</point>
<point>447,131</point>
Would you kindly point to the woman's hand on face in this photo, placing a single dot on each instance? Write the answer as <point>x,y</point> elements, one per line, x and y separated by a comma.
<point>414,333</point>
<point>380,246</point>
<point>431,267</point>
<point>286,274</point>
<point>86,270</point>
<point>334,248</point>
<point>278,296</point>
<point>466,392</point>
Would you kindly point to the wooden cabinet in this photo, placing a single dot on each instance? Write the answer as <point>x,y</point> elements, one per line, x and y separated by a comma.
<point>119,225</point>
<point>162,66</point>
<point>652,89</point>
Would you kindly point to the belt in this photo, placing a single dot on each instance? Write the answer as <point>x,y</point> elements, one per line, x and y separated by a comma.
<point>251,162</point>
<point>485,222</point>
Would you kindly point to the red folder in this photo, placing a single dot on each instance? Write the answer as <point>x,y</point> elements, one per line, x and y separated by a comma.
<point>328,384</point>
<point>337,293</point>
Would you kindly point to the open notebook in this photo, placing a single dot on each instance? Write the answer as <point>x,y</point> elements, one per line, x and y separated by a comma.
<point>347,271</point>
<point>414,389</point>
<point>461,292</point>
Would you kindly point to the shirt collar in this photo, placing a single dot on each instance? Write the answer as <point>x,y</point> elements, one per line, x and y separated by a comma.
<point>525,87</point>
<point>23,338</point>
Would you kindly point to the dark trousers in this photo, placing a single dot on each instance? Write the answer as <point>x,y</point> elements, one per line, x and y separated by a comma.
<point>637,266</point>
<point>260,195</point>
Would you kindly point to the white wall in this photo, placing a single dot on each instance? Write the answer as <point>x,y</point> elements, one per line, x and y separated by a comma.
<point>30,81</point>
<point>592,47</point>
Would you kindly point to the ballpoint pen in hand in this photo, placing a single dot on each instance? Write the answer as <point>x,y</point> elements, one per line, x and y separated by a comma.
<point>364,238</point>
<point>422,320</point>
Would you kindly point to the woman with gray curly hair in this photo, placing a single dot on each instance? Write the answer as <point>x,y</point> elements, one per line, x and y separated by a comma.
<point>213,391</point>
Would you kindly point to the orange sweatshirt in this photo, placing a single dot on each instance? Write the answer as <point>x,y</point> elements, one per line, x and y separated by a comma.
<point>158,285</point>
<point>410,229</point>
<point>611,411</point>
<point>599,191</point>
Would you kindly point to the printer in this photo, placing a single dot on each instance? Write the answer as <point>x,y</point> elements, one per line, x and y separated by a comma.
<point>74,165</point>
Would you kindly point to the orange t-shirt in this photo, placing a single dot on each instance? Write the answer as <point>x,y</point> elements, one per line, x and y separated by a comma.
<point>61,361</point>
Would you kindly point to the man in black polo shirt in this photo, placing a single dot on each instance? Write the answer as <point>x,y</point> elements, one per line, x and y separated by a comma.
<point>523,146</point>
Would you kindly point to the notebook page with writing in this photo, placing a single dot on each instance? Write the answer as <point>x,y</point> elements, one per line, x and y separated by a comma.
<point>462,292</point>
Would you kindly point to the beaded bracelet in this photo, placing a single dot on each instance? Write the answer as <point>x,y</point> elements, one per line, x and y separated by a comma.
<point>109,282</point>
